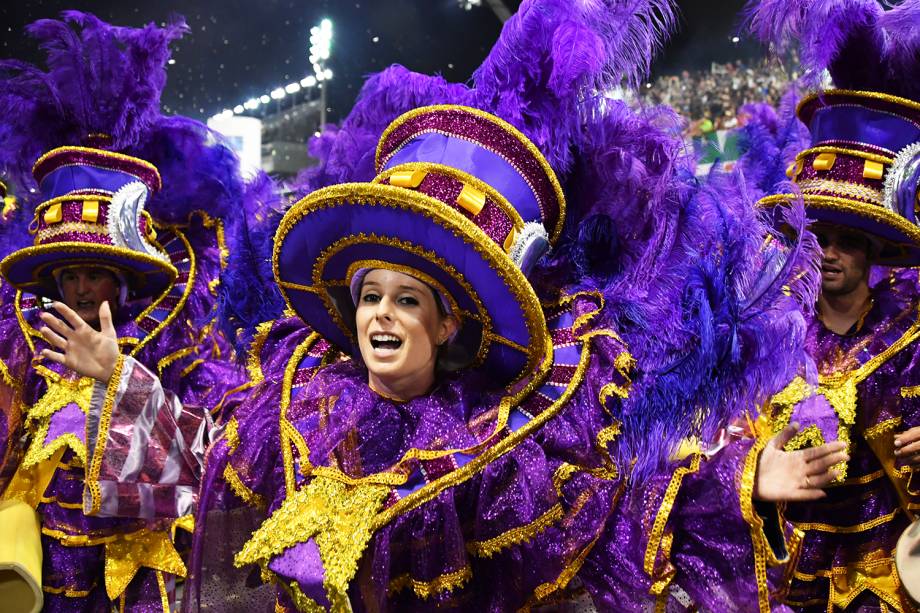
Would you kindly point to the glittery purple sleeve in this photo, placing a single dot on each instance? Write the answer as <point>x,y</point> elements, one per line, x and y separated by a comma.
<point>689,536</point>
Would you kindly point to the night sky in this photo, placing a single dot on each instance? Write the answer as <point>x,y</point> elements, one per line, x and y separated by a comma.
<point>239,49</point>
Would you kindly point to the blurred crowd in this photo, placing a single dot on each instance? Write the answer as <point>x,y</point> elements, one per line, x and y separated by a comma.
<point>710,99</point>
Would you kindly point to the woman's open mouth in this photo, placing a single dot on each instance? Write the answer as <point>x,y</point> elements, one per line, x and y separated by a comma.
<point>385,343</point>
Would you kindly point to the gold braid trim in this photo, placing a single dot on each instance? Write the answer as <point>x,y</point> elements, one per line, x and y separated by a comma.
<point>336,516</point>
<point>424,589</point>
<point>882,427</point>
<point>762,550</point>
<point>520,534</point>
<point>67,592</point>
<point>239,488</point>
<point>254,361</point>
<point>8,378</point>
<point>95,466</point>
<point>912,391</point>
<point>861,527</point>
<point>232,435</point>
<point>658,540</point>
<point>180,303</point>
<point>175,355</point>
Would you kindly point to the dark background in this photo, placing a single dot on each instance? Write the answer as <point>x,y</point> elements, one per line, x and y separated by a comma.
<point>239,49</point>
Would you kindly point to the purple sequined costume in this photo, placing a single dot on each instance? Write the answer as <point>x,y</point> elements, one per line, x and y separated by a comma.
<point>95,111</point>
<point>858,170</point>
<point>665,314</point>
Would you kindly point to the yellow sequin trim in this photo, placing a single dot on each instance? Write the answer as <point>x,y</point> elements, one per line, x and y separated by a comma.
<point>336,516</point>
<point>842,188</point>
<point>67,591</point>
<point>108,405</point>
<point>254,360</point>
<point>912,391</point>
<point>164,595</point>
<point>762,549</point>
<point>288,434</point>
<point>239,488</point>
<point>175,355</point>
<point>860,527</point>
<point>424,589</point>
<point>656,537</point>
<point>507,127</point>
<point>232,435</point>
<point>520,534</point>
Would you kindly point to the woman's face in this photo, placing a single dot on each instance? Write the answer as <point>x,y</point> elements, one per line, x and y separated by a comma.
<point>399,329</point>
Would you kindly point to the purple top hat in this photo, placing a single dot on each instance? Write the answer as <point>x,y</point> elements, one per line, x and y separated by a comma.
<point>92,213</point>
<point>863,167</point>
<point>462,201</point>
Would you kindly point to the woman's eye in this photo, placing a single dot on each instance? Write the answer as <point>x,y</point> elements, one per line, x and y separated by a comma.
<point>408,300</point>
<point>370,298</point>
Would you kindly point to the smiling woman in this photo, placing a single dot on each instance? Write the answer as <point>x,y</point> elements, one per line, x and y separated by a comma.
<point>400,324</point>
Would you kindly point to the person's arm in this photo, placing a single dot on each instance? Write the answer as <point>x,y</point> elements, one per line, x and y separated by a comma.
<point>145,450</point>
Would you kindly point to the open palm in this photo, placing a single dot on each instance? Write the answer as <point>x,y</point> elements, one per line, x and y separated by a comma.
<point>88,352</point>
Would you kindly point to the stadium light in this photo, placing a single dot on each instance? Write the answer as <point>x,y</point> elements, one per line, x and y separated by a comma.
<point>277,94</point>
<point>251,104</point>
<point>292,88</point>
<point>238,109</point>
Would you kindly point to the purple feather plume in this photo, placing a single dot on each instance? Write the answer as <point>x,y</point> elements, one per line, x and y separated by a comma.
<point>862,44</point>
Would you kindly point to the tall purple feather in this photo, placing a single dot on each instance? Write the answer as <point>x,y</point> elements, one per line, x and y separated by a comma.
<point>681,262</point>
<point>864,45</point>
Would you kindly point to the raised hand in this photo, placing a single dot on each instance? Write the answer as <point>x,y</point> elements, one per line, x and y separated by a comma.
<point>796,475</point>
<point>907,446</point>
<point>86,351</point>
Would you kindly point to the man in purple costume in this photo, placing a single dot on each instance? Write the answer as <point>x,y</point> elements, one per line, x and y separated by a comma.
<point>858,178</point>
<point>127,222</point>
<point>486,448</point>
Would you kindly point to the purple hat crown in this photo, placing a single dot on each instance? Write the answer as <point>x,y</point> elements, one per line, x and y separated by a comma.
<point>462,201</point>
<point>482,167</point>
<point>862,168</point>
<point>92,212</point>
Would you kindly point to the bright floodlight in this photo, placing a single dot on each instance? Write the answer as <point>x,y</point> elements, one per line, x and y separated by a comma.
<point>328,74</point>
<point>277,94</point>
<point>292,88</point>
<point>264,99</point>
<point>308,81</point>
<point>326,25</point>
<point>251,104</point>
<point>238,109</point>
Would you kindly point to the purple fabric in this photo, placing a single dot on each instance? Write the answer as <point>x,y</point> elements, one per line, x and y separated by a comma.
<point>474,159</point>
<point>862,125</point>
<point>68,420</point>
<point>303,564</point>
<point>74,178</point>
<point>879,399</point>
<point>363,433</point>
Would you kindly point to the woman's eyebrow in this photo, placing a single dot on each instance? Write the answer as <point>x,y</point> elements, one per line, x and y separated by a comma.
<point>409,288</point>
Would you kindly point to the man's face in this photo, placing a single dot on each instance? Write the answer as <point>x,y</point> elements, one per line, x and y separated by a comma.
<point>845,265</point>
<point>85,288</point>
